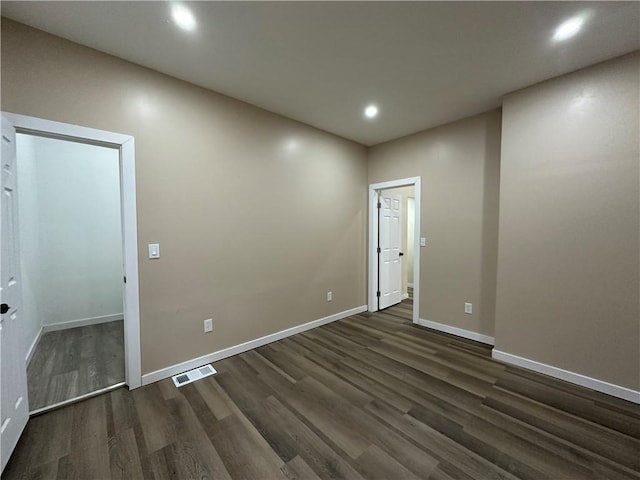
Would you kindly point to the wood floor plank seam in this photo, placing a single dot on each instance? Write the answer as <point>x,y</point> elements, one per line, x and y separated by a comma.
<point>613,443</point>
<point>573,416</point>
<point>575,450</point>
<point>453,451</point>
<point>326,440</point>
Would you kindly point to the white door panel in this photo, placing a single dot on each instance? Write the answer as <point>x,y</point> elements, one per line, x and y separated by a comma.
<point>390,264</point>
<point>14,406</point>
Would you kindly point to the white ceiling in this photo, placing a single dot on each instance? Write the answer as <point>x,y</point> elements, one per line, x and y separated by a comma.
<point>422,63</point>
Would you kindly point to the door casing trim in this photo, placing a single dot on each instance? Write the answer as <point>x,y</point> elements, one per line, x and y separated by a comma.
<point>126,146</point>
<point>374,188</point>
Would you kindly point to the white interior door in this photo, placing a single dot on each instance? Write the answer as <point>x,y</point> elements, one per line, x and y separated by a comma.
<point>390,250</point>
<point>14,406</point>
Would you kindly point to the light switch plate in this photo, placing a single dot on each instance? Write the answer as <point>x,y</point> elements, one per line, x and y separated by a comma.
<point>208,325</point>
<point>423,241</point>
<point>154,250</point>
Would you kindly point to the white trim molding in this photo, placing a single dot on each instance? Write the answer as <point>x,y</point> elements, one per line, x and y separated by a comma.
<point>126,146</point>
<point>33,346</point>
<point>71,401</point>
<point>167,372</point>
<point>374,190</point>
<point>460,332</point>
<point>568,376</point>
<point>81,322</point>
<point>132,343</point>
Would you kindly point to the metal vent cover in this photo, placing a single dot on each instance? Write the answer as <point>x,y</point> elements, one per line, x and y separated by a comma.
<point>193,375</point>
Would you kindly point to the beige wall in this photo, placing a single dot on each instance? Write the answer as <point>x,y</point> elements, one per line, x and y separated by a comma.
<point>257,216</point>
<point>459,164</point>
<point>568,283</point>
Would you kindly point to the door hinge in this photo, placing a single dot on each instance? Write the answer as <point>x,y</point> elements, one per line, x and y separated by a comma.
<point>378,293</point>
<point>379,250</point>
<point>379,205</point>
<point>125,279</point>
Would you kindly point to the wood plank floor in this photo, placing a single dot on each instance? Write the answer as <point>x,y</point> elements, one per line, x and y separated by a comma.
<point>69,363</point>
<point>371,397</point>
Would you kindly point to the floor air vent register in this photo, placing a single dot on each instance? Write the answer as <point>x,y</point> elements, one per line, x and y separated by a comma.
<point>193,375</point>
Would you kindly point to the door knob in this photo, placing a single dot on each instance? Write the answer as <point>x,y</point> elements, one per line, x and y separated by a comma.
<point>401,254</point>
<point>4,308</point>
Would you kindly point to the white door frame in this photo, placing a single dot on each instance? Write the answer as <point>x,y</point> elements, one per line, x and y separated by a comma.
<point>126,146</point>
<point>373,235</point>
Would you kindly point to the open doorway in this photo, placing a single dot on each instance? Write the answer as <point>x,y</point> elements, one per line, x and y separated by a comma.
<point>71,259</point>
<point>14,407</point>
<point>394,258</point>
<point>14,124</point>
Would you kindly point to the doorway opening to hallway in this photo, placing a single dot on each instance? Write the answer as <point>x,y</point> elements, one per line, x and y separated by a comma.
<point>394,237</point>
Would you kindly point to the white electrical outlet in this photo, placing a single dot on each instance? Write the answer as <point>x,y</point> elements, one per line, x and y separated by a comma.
<point>208,325</point>
<point>329,296</point>
<point>468,308</point>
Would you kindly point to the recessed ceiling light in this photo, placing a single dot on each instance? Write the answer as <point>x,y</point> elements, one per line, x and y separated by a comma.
<point>371,111</point>
<point>568,29</point>
<point>183,17</point>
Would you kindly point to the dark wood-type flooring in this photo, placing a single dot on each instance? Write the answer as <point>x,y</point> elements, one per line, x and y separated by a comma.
<point>371,397</point>
<point>69,363</point>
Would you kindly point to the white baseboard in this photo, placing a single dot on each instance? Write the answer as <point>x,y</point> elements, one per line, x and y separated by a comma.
<point>404,296</point>
<point>82,322</point>
<point>460,332</point>
<point>572,377</point>
<point>167,372</point>
<point>32,347</point>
